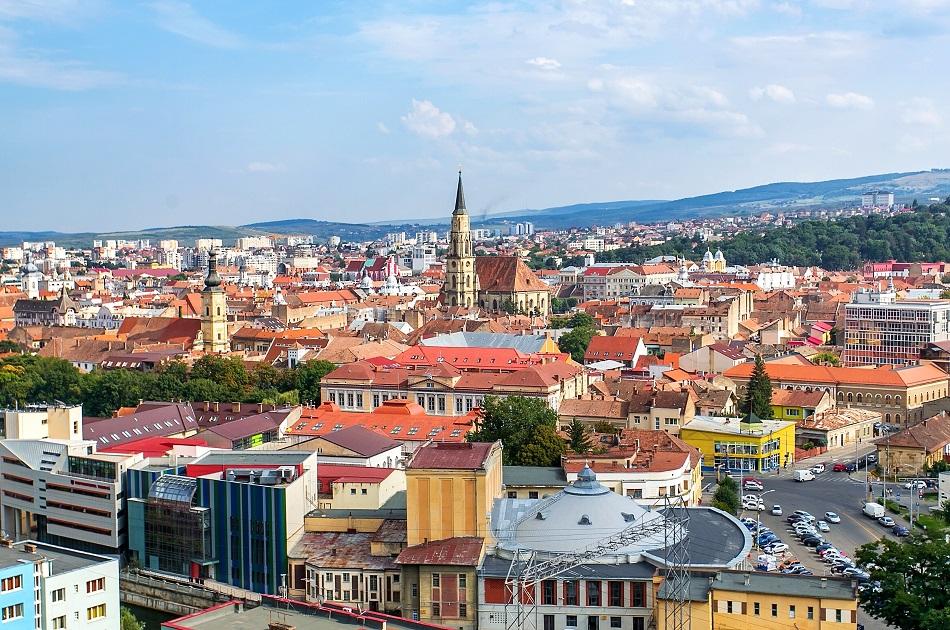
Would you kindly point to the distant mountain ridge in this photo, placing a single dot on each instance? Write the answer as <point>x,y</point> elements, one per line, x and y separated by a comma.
<point>774,197</point>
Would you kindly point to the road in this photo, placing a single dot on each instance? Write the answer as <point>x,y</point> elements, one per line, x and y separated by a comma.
<point>838,492</point>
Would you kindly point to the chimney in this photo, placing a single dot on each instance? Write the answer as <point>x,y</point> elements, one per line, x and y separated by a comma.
<point>216,406</point>
<point>207,405</point>
<point>29,548</point>
<point>8,543</point>
<point>236,407</point>
<point>260,407</point>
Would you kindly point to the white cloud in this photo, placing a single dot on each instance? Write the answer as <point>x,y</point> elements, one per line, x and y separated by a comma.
<point>850,100</point>
<point>426,120</point>
<point>920,111</point>
<point>263,167</point>
<point>773,92</point>
<point>181,19</point>
<point>382,128</point>
<point>30,68</point>
<point>544,63</point>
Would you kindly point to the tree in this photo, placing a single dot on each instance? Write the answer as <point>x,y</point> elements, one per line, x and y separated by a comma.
<point>576,341</point>
<point>578,437</point>
<point>309,375</point>
<point>910,582</point>
<point>758,393</point>
<point>526,426</point>
<point>826,358</point>
<point>128,620</point>
<point>580,318</point>
<point>726,498</point>
<point>945,511</point>
<point>9,346</point>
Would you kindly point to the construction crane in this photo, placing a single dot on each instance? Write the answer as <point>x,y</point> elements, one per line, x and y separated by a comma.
<point>526,570</point>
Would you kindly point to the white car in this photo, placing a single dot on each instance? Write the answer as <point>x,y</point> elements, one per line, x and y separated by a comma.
<point>753,485</point>
<point>776,510</point>
<point>818,469</point>
<point>914,484</point>
<point>831,517</point>
<point>778,547</point>
<point>823,526</point>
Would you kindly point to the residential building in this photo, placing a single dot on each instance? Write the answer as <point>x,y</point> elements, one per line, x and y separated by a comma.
<point>625,350</point>
<point>899,394</point>
<point>838,427</point>
<point>881,330</point>
<point>910,451</point>
<point>47,587</point>
<point>730,600</point>
<point>797,404</point>
<point>877,199</point>
<point>35,312</point>
<point>355,444</point>
<point>229,516</point>
<point>713,359</point>
<point>533,482</point>
<point>741,445</point>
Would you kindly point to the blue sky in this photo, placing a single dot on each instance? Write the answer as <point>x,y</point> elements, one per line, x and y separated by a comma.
<point>124,114</point>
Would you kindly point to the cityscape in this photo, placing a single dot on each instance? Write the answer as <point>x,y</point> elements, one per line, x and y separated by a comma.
<point>448,386</point>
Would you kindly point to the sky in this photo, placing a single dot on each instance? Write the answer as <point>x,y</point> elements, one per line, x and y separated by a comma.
<point>120,114</point>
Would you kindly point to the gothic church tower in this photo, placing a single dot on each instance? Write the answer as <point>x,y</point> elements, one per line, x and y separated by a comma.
<point>461,283</point>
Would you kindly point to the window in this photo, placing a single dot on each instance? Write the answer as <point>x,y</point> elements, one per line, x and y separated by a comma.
<point>639,623</point>
<point>755,609</point>
<point>571,621</point>
<point>11,583</point>
<point>639,594</point>
<point>363,491</point>
<point>463,610</point>
<point>436,579</point>
<point>838,616</point>
<point>810,613</point>
<point>532,494</point>
<point>547,592</point>
<point>463,580</point>
<point>729,606</point>
<point>775,610</point>
<point>593,593</point>
<point>548,622</point>
<point>12,612</point>
<point>616,622</point>
<point>512,494</point>
<point>436,609</point>
<point>615,593</point>
<point>570,596</point>
<point>59,622</point>
<point>59,594</point>
<point>414,589</point>
<point>791,611</point>
<point>94,586</point>
<point>96,612</point>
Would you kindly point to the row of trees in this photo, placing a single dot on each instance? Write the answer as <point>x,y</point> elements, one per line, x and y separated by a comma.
<point>919,236</point>
<point>29,379</point>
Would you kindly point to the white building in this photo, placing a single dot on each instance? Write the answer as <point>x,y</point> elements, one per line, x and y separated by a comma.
<point>59,587</point>
<point>877,199</point>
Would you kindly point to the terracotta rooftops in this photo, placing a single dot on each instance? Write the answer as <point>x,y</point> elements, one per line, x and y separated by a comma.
<point>453,456</point>
<point>506,274</point>
<point>461,551</point>
<point>900,377</point>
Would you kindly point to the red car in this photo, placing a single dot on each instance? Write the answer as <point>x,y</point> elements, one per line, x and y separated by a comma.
<point>756,480</point>
<point>839,468</point>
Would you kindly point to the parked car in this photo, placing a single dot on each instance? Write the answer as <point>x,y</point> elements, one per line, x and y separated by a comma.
<point>776,510</point>
<point>823,526</point>
<point>900,531</point>
<point>839,467</point>
<point>752,485</point>
<point>831,517</point>
<point>804,514</point>
<point>872,458</point>
<point>776,547</point>
<point>886,521</point>
<point>824,547</point>
<point>812,541</point>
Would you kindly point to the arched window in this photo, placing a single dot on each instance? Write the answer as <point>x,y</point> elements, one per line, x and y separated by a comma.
<point>218,311</point>
<point>468,281</point>
<point>887,418</point>
<point>840,396</point>
<point>494,305</point>
<point>207,311</point>
<point>897,418</point>
<point>850,397</point>
<point>860,398</point>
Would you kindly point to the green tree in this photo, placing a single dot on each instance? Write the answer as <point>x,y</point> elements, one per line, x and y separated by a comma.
<point>576,341</point>
<point>912,576</point>
<point>128,620</point>
<point>578,437</point>
<point>826,358</point>
<point>945,511</point>
<point>228,372</point>
<point>726,498</point>
<point>526,426</point>
<point>580,318</point>
<point>758,393</point>
<point>9,346</point>
<point>309,375</point>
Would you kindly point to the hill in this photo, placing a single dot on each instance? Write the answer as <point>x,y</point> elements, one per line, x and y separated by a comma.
<point>780,196</point>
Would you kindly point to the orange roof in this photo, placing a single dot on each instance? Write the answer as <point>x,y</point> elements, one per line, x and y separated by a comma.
<point>397,419</point>
<point>899,377</point>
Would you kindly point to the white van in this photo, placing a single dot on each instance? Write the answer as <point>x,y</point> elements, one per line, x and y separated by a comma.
<point>874,510</point>
<point>804,475</point>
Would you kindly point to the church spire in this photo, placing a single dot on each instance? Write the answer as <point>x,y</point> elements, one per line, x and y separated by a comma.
<point>212,280</point>
<point>459,198</point>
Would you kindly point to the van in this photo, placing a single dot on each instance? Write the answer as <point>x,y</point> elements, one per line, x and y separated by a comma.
<point>804,475</point>
<point>873,510</point>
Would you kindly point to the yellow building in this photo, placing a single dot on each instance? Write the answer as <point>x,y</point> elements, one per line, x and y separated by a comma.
<point>214,311</point>
<point>739,600</point>
<point>797,404</point>
<point>736,445</point>
<point>450,490</point>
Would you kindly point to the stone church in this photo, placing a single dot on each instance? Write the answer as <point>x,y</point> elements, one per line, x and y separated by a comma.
<point>494,283</point>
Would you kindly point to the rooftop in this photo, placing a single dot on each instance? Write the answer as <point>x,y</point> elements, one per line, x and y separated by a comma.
<point>767,583</point>
<point>454,456</point>
<point>63,560</point>
<point>734,426</point>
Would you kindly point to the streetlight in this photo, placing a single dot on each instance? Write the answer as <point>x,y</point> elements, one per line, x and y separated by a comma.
<point>758,518</point>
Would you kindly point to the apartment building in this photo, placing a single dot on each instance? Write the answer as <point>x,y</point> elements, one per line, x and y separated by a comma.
<point>881,330</point>
<point>45,587</point>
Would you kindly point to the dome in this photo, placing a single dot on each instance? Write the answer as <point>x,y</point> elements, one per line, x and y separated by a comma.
<point>707,257</point>
<point>30,268</point>
<point>367,282</point>
<point>579,516</point>
<point>719,255</point>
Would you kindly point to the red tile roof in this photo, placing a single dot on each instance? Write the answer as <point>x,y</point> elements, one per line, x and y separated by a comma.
<point>506,274</point>
<point>463,551</point>
<point>898,377</point>
<point>453,456</point>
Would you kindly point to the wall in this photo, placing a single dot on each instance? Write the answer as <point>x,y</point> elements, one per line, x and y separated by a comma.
<point>22,595</point>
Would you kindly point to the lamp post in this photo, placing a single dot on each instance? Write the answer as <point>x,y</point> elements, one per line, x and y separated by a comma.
<point>758,519</point>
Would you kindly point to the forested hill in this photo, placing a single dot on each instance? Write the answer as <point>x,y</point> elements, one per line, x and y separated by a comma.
<point>920,236</point>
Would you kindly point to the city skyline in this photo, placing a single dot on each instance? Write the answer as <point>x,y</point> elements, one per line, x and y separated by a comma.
<point>169,113</point>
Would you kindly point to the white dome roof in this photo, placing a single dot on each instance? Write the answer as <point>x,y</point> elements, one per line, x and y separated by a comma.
<point>719,255</point>
<point>707,256</point>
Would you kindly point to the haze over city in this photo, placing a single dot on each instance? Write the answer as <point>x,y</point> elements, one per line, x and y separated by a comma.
<point>128,115</point>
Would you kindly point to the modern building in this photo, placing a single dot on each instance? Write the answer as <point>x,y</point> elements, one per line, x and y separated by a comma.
<point>229,516</point>
<point>741,445</point>
<point>750,599</point>
<point>882,330</point>
<point>45,587</point>
<point>877,199</point>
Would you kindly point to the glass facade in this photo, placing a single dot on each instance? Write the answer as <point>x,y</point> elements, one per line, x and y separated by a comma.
<point>92,467</point>
<point>177,534</point>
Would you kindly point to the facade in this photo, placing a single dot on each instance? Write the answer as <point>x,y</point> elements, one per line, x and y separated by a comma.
<point>63,493</point>
<point>461,283</point>
<point>899,394</point>
<point>735,444</point>
<point>910,451</point>
<point>47,587</point>
<point>736,600</point>
<point>214,310</point>
<point>881,330</point>
<point>34,312</point>
<point>797,404</point>
<point>838,427</point>
<point>237,510</point>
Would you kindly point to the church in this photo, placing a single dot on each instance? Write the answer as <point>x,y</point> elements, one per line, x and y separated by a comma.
<point>496,284</point>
